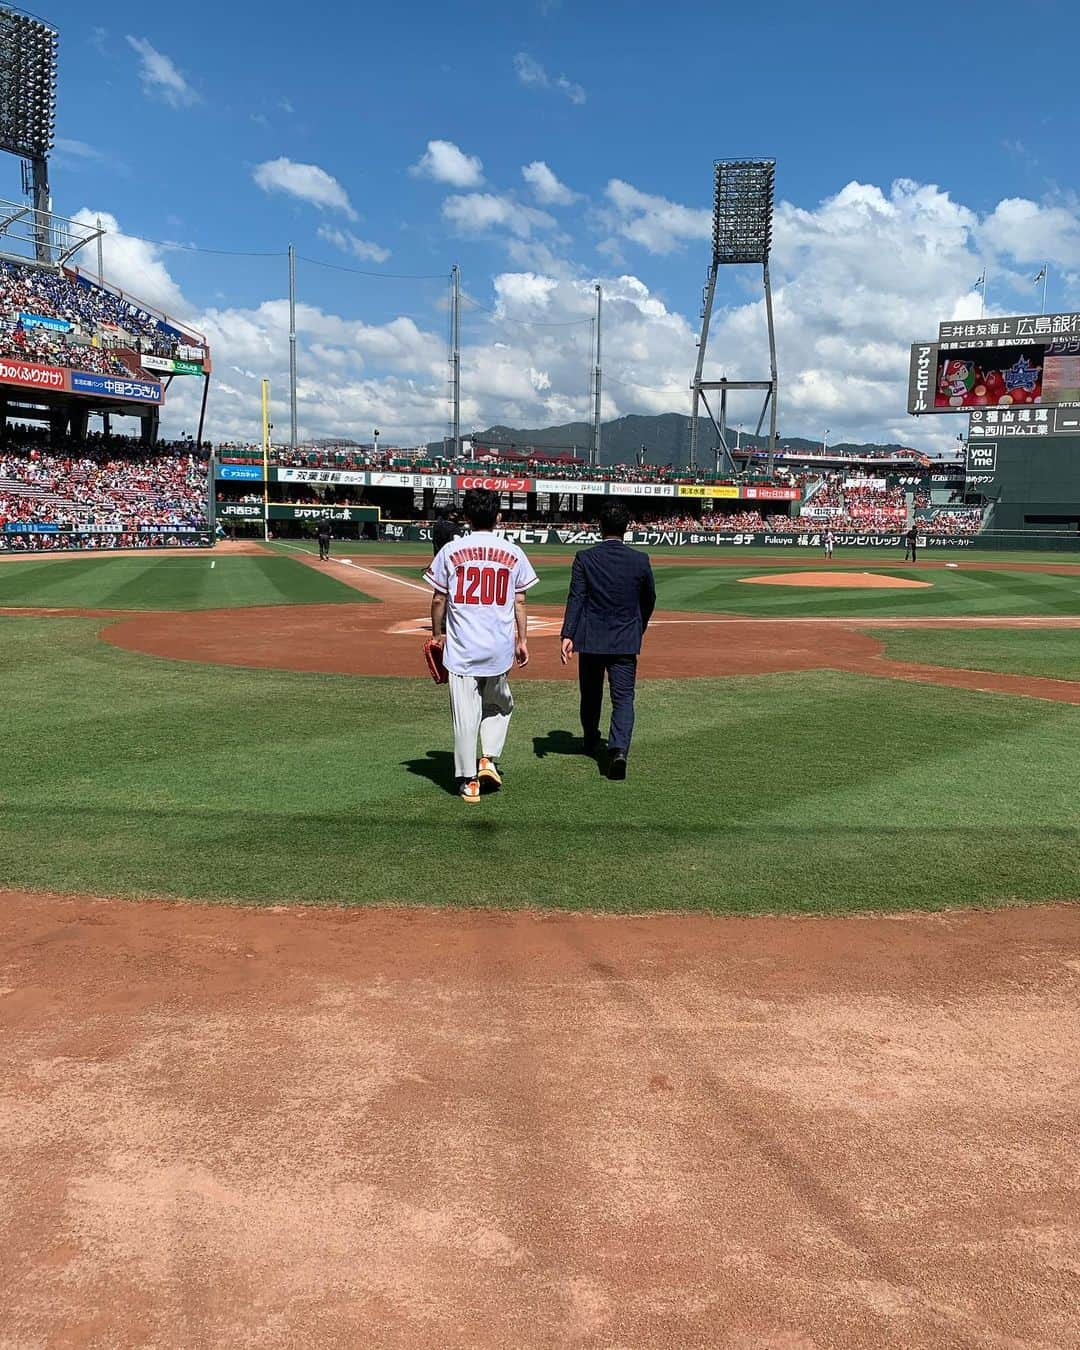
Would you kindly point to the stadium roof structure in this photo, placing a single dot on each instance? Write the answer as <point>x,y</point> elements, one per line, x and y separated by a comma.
<point>22,225</point>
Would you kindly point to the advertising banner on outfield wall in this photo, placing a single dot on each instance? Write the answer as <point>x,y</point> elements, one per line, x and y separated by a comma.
<point>244,473</point>
<point>981,474</point>
<point>710,490</point>
<point>438,482</point>
<point>641,489</point>
<point>346,477</point>
<point>469,480</point>
<point>349,514</point>
<point>568,487</point>
<point>771,494</point>
<point>583,538</point>
<point>33,376</point>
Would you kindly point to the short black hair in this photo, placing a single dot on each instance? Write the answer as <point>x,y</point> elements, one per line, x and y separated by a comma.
<point>481,508</point>
<point>614,520</point>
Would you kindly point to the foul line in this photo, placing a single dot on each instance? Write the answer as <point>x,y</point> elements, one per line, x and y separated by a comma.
<point>347,562</point>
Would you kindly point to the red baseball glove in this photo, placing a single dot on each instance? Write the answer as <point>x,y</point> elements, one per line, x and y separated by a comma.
<point>433,655</point>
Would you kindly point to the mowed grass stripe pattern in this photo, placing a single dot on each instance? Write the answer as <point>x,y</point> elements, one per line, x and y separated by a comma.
<point>788,558</point>
<point>722,590</point>
<point>186,581</point>
<point>810,792</point>
<point>1053,653</point>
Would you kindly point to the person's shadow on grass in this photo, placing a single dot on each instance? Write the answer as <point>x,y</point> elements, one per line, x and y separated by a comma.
<point>437,767</point>
<point>566,743</point>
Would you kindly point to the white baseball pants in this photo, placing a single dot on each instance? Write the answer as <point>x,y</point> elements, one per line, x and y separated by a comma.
<point>480,705</point>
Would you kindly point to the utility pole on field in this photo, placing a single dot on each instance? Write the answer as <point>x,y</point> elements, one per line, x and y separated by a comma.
<point>292,347</point>
<point>266,457</point>
<point>597,384</point>
<point>455,358</point>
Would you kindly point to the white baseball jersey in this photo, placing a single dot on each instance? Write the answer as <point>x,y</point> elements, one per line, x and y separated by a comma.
<point>480,576</point>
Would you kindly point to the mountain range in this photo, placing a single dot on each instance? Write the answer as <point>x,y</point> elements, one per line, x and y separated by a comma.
<point>666,440</point>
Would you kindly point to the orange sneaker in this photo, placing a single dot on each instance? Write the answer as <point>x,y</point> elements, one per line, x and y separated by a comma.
<point>489,776</point>
<point>469,790</point>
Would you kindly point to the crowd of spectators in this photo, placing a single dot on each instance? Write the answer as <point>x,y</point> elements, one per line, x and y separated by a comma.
<point>48,348</point>
<point>525,465</point>
<point>96,543</point>
<point>114,486</point>
<point>91,313</point>
<point>859,504</point>
<point>953,521</point>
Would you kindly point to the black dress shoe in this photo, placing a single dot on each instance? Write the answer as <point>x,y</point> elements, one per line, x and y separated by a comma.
<point>591,744</point>
<point>616,769</point>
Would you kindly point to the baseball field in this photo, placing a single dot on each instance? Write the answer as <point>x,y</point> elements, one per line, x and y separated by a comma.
<point>773,1044</point>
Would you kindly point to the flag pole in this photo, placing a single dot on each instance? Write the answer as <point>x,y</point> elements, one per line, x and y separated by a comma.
<point>1045,271</point>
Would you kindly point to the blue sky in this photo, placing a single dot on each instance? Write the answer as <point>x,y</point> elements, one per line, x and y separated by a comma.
<point>546,145</point>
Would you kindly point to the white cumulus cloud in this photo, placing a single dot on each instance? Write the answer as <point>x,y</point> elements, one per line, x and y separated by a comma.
<point>132,264</point>
<point>306,182</point>
<point>480,212</point>
<point>547,188</point>
<point>659,225</point>
<point>445,162</point>
<point>160,76</point>
<point>857,278</point>
<point>1034,233</point>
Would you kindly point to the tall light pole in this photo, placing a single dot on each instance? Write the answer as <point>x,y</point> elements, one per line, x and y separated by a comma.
<point>597,379</point>
<point>292,347</point>
<point>455,358</point>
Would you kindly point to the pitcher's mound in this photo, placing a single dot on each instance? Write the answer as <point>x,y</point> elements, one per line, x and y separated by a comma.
<point>840,580</point>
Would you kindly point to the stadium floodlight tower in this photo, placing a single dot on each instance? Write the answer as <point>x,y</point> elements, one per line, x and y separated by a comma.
<point>28,109</point>
<point>742,233</point>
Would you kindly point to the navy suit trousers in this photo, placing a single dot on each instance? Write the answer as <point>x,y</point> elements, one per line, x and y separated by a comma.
<point>622,674</point>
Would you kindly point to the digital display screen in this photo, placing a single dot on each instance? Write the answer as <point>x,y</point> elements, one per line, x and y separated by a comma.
<point>1044,374</point>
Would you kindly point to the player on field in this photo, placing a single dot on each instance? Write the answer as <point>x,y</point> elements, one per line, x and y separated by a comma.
<point>479,604</point>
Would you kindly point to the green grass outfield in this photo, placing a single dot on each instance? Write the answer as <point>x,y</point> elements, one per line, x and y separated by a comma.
<point>723,590</point>
<point>1052,653</point>
<point>195,580</point>
<point>815,791</point>
<point>126,775</point>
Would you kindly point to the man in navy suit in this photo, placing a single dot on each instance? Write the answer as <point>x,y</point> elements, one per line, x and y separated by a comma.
<point>612,597</point>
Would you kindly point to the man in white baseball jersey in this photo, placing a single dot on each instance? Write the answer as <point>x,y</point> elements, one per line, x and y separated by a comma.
<point>479,604</point>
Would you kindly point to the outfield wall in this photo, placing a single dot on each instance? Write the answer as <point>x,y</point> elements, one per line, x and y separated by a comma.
<point>61,539</point>
<point>400,531</point>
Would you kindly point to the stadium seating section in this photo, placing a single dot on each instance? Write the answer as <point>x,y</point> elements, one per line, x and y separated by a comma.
<point>104,332</point>
<point>102,484</point>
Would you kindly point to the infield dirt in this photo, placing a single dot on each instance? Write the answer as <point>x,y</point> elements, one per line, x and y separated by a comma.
<point>385,639</point>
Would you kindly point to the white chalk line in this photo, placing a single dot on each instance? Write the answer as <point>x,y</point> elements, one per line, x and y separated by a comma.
<point>348,562</point>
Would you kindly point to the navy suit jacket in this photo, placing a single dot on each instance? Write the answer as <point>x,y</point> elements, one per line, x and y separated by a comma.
<point>612,597</point>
